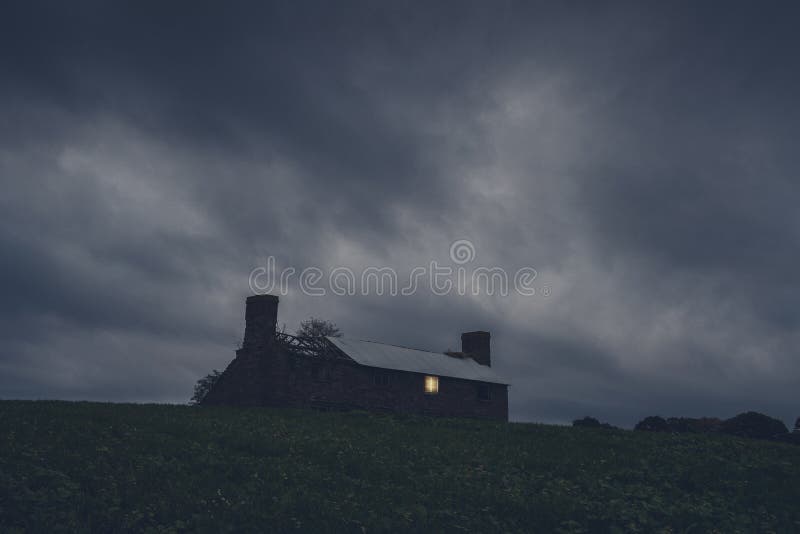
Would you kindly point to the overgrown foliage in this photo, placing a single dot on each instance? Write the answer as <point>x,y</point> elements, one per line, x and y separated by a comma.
<point>203,386</point>
<point>754,425</point>
<point>315,327</point>
<point>746,425</point>
<point>591,422</point>
<point>87,467</point>
<point>653,423</point>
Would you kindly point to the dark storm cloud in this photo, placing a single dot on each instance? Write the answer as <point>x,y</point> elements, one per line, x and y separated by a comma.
<point>640,156</point>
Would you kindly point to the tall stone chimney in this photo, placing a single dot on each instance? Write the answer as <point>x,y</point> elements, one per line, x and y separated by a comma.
<point>261,318</point>
<point>476,344</point>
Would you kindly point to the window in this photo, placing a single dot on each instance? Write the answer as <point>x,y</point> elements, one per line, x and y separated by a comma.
<point>484,392</point>
<point>381,379</point>
<point>431,385</point>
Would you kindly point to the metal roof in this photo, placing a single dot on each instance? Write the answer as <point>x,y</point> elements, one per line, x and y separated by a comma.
<point>374,354</point>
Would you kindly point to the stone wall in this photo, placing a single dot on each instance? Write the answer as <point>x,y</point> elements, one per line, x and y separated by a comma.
<point>349,385</point>
<point>275,377</point>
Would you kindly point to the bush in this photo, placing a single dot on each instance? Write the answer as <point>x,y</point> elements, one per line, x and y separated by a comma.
<point>694,425</point>
<point>653,423</point>
<point>590,422</point>
<point>586,421</point>
<point>754,425</point>
<point>203,386</point>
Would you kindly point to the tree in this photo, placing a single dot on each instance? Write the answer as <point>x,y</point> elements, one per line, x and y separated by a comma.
<point>586,421</point>
<point>314,327</point>
<point>754,425</point>
<point>203,386</point>
<point>653,423</point>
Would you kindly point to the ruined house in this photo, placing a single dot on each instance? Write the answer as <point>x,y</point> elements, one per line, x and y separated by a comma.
<point>276,369</point>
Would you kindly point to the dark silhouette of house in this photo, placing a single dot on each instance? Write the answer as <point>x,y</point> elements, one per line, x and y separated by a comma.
<point>277,369</point>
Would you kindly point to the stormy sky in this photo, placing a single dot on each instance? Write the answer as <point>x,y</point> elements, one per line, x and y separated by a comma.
<point>642,157</point>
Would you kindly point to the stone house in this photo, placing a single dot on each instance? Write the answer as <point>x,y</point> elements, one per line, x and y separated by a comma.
<point>277,369</point>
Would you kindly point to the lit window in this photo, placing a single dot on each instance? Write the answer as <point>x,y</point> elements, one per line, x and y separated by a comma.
<point>431,385</point>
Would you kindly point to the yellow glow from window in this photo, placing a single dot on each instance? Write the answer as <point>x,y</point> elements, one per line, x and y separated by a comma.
<point>431,384</point>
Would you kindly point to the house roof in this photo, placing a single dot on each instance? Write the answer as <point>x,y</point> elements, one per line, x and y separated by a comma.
<point>385,356</point>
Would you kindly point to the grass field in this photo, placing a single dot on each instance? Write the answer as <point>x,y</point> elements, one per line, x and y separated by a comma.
<point>121,467</point>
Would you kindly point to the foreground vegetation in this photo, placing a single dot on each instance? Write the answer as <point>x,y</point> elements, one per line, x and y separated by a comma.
<point>120,467</point>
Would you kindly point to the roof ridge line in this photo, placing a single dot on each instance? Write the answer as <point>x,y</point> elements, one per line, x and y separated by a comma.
<point>393,345</point>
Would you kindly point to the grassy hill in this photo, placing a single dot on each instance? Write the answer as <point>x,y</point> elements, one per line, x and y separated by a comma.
<point>119,467</point>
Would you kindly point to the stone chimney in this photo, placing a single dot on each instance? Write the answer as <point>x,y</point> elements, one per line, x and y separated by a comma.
<point>261,318</point>
<point>476,344</point>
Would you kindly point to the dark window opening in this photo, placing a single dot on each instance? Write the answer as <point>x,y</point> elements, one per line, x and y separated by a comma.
<point>381,379</point>
<point>484,392</point>
<point>320,373</point>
